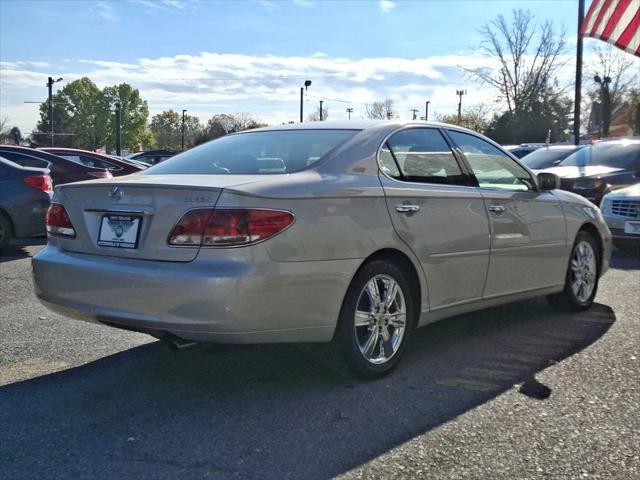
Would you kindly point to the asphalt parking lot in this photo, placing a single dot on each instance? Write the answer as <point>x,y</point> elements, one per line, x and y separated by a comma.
<point>518,391</point>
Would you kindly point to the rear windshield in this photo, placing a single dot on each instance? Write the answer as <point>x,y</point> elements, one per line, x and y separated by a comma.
<point>546,157</point>
<point>269,152</point>
<point>614,155</point>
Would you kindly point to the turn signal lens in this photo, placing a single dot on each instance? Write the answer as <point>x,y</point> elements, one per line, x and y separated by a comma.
<point>58,221</point>
<point>228,227</point>
<point>101,174</point>
<point>41,182</point>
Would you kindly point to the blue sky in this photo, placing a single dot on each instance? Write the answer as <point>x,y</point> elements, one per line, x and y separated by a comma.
<point>252,56</point>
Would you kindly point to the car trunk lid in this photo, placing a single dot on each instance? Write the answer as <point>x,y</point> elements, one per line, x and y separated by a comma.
<point>132,216</point>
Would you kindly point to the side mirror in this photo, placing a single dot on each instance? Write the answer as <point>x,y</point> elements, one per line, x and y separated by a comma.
<point>548,181</point>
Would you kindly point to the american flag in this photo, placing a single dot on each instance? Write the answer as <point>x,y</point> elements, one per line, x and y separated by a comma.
<point>616,22</point>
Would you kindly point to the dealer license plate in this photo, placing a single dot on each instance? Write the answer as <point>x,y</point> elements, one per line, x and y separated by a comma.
<point>120,231</point>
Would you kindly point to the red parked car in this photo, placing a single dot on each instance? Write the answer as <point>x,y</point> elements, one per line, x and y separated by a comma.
<point>116,166</point>
<point>62,170</point>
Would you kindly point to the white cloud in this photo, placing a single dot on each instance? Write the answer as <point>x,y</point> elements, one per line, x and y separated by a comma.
<point>303,3</point>
<point>386,5</point>
<point>267,86</point>
<point>106,12</point>
<point>268,5</point>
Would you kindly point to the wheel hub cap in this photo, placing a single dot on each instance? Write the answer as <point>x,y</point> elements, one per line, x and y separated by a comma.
<point>583,271</point>
<point>380,319</point>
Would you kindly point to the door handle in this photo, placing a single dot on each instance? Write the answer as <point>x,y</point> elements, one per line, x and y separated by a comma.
<point>497,208</point>
<point>407,208</point>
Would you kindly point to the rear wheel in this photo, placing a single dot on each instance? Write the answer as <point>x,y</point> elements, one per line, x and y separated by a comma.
<point>6,231</point>
<point>376,319</point>
<point>581,282</point>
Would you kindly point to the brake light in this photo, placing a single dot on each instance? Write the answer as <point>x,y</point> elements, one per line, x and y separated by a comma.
<point>228,227</point>
<point>58,221</point>
<point>101,174</point>
<point>41,182</point>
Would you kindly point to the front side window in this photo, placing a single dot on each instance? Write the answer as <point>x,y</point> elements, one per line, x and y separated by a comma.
<point>420,155</point>
<point>266,152</point>
<point>492,167</point>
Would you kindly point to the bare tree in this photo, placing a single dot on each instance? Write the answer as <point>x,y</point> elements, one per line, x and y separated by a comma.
<point>380,110</point>
<point>315,116</point>
<point>623,70</point>
<point>476,117</point>
<point>525,63</point>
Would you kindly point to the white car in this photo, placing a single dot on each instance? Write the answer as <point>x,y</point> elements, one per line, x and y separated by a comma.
<point>621,210</point>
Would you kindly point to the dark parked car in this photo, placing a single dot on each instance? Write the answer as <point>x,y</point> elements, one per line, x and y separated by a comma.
<point>152,156</point>
<point>523,149</point>
<point>547,157</point>
<point>597,169</point>
<point>25,195</point>
<point>61,169</point>
<point>115,165</point>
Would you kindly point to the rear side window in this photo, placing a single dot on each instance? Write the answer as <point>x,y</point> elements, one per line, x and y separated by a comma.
<point>420,155</point>
<point>88,161</point>
<point>268,152</point>
<point>25,160</point>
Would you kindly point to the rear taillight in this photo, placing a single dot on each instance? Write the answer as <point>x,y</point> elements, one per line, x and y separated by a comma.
<point>41,182</point>
<point>228,227</point>
<point>58,221</point>
<point>101,174</point>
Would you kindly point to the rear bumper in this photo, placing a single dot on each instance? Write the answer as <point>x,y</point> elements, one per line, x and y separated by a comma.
<point>220,300</point>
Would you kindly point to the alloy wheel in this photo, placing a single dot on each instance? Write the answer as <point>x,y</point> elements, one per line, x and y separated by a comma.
<point>380,319</point>
<point>583,271</point>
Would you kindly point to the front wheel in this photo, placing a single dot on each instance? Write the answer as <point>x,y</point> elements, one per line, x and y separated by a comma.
<point>376,319</point>
<point>581,283</point>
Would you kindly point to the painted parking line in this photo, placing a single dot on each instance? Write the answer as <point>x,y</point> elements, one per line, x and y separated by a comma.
<point>489,372</point>
<point>473,385</point>
<point>566,336</point>
<point>527,359</point>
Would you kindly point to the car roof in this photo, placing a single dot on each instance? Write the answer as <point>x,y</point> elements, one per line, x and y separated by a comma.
<point>355,124</point>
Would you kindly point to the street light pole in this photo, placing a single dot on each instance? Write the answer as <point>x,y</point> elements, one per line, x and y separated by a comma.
<point>320,110</point>
<point>183,112</point>
<point>349,111</point>
<point>118,129</point>
<point>426,110</point>
<point>460,93</point>
<point>307,84</point>
<point>50,82</point>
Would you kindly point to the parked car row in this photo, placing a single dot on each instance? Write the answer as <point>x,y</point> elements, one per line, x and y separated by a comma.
<point>25,195</point>
<point>28,175</point>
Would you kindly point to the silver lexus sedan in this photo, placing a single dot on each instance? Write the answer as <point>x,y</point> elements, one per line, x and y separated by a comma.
<point>353,233</point>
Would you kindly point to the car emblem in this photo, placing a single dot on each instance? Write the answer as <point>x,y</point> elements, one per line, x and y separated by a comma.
<point>116,192</point>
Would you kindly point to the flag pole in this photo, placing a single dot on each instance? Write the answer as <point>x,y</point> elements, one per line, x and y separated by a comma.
<point>578,93</point>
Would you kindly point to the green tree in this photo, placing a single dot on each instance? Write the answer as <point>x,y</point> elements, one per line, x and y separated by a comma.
<point>224,123</point>
<point>166,128</point>
<point>135,113</point>
<point>474,118</point>
<point>83,117</point>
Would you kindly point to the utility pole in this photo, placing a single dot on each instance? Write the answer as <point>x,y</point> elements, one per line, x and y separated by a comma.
<point>183,112</point>
<point>578,91</point>
<point>349,111</point>
<point>460,93</point>
<point>50,82</point>
<point>307,84</point>
<point>389,114</point>
<point>605,104</point>
<point>426,110</point>
<point>320,110</point>
<point>118,129</point>
<point>415,113</point>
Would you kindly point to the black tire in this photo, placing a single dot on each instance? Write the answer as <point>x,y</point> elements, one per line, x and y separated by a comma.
<point>347,339</point>
<point>6,231</point>
<point>567,300</point>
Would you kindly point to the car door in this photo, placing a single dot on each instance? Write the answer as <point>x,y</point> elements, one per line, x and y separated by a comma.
<point>437,213</point>
<point>528,231</point>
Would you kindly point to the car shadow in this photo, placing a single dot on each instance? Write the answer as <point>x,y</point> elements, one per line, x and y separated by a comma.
<point>622,260</point>
<point>17,249</point>
<point>275,411</point>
